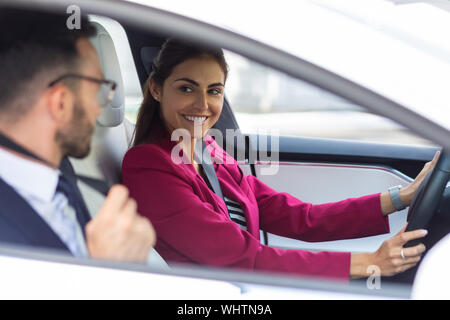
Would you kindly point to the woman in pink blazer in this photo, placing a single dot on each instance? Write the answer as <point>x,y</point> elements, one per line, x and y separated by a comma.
<point>185,92</point>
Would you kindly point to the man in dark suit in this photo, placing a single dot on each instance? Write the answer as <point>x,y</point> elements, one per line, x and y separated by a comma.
<point>51,91</point>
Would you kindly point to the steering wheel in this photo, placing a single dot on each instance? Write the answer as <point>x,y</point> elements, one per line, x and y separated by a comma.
<point>428,196</point>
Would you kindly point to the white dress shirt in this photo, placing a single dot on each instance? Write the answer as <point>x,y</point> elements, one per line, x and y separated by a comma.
<point>37,183</point>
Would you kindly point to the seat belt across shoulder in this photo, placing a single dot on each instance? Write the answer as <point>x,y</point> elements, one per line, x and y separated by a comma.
<point>97,184</point>
<point>206,163</point>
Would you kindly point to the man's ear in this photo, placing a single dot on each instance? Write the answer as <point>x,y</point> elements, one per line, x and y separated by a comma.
<point>155,90</point>
<point>60,101</point>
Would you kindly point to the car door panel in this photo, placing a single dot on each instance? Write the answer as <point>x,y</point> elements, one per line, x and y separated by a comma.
<point>321,171</point>
<point>322,183</point>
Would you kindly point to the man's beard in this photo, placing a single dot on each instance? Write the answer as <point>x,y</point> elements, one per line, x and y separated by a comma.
<point>75,139</point>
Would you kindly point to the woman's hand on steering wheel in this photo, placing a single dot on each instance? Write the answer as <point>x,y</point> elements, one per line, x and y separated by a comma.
<point>393,258</point>
<point>407,193</point>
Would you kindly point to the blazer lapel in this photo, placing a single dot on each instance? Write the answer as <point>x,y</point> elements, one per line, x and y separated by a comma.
<point>19,213</point>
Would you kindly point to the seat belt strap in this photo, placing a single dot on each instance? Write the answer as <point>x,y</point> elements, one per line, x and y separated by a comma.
<point>204,159</point>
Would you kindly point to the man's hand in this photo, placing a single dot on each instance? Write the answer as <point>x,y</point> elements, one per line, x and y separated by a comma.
<point>118,232</point>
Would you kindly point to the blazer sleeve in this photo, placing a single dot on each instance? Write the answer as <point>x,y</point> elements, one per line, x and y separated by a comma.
<point>192,227</point>
<point>285,215</point>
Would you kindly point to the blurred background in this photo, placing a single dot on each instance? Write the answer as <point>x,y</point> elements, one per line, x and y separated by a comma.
<point>265,99</point>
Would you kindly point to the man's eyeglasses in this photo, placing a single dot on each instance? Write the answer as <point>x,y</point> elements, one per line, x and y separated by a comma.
<point>105,93</point>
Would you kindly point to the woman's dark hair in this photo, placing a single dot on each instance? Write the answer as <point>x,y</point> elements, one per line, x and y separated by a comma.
<point>173,52</point>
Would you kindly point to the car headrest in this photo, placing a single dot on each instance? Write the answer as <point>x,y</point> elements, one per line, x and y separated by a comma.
<point>112,115</point>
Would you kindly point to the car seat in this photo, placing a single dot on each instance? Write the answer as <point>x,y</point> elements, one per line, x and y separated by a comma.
<point>113,132</point>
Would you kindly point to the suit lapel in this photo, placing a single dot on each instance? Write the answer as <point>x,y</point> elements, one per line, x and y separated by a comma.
<point>19,213</point>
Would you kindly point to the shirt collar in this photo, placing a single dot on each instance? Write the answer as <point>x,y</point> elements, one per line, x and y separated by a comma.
<point>28,176</point>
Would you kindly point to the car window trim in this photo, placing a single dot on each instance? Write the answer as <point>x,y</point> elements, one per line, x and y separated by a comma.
<point>244,280</point>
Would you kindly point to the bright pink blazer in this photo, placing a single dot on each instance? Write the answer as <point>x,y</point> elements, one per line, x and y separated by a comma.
<point>193,226</point>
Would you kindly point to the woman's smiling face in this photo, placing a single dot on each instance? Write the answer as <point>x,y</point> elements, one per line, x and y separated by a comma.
<point>192,96</point>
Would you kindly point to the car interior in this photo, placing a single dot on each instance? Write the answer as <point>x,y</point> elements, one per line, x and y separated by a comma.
<point>311,169</point>
<point>113,135</point>
<point>320,160</point>
<point>114,132</point>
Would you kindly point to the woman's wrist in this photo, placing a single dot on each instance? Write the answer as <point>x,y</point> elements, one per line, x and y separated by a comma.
<point>406,195</point>
<point>387,207</point>
<point>359,264</point>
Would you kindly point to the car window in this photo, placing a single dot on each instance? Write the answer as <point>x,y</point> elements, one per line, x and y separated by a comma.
<point>266,99</point>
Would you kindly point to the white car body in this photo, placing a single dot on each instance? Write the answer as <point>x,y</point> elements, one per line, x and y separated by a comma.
<point>28,275</point>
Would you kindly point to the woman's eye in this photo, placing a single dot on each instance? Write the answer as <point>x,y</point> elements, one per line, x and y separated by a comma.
<point>185,89</point>
<point>215,91</point>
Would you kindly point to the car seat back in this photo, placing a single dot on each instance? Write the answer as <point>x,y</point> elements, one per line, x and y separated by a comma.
<point>113,133</point>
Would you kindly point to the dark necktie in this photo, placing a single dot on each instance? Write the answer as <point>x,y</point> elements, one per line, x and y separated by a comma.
<point>75,201</point>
